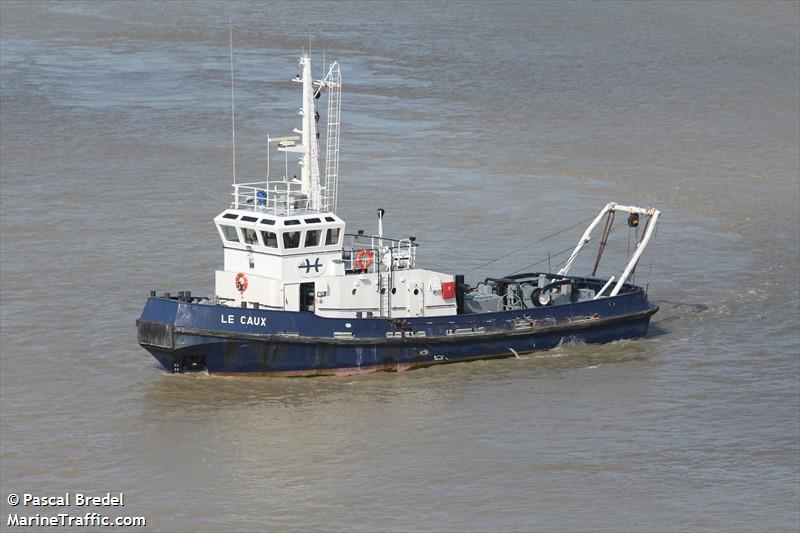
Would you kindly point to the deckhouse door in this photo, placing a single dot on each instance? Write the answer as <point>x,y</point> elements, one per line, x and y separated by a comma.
<point>416,304</point>
<point>291,297</point>
<point>307,297</point>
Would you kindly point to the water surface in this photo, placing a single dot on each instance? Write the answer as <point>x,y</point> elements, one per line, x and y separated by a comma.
<point>480,128</point>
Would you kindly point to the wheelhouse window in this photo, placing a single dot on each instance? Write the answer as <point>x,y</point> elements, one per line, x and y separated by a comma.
<point>312,237</point>
<point>270,239</point>
<point>332,237</point>
<point>291,239</point>
<point>230,233</point>
<point>250,236</point>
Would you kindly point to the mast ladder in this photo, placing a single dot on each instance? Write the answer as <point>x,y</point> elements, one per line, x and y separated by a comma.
<point>333,82</point>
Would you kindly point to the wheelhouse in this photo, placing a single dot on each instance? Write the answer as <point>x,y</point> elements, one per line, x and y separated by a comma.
<point>280,235</point>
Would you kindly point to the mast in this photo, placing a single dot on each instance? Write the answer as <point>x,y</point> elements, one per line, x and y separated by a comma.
<point>309,171</point>
<point>318,196</point>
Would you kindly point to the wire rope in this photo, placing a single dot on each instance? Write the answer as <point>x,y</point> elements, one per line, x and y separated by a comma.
<point>534,242</point>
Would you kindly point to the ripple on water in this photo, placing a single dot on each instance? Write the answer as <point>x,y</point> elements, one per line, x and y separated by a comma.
<point>480,130</point>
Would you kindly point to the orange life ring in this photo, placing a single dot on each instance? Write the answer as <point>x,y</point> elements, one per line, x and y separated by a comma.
<point>364,259</point>
<point>241,282</point>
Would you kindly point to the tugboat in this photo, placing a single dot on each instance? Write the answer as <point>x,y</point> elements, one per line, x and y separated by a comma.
<point>297,296</point>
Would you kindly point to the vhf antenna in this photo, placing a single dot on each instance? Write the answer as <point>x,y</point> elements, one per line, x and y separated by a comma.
<point>233,108</point>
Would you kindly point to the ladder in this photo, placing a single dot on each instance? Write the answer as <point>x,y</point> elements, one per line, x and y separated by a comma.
<point>333,82</point>
<point>385,298</point>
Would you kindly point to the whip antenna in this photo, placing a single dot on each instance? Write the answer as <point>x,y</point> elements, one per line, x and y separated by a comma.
<point>233,108</point>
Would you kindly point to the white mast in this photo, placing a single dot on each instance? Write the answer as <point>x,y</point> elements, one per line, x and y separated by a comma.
<point>309,165</point>
<point>319,198</point>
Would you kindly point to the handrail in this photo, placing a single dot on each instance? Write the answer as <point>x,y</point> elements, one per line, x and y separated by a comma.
<point>398,254</point>
<point>356,236</point>
<point>275,197</point>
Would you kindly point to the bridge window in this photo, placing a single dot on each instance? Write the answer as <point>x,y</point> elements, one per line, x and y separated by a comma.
<point>291,239</point>
<point>250,236</point>
<point>312,220</point>
<point>270,239</point>
<point>268,221</point>
<point>332,237</point>
<point>230,233</point>
<point>230,215</point>
<point>249,219</point>
<point>312,237</point>
<point>291,222</point>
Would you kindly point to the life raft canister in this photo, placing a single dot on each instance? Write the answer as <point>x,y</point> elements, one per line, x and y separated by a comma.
<point>364,259</point>
<point>241,282</point>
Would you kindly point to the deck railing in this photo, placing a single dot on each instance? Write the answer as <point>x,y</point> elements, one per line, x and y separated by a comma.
<point>274,197</point>
<point>379,254</point>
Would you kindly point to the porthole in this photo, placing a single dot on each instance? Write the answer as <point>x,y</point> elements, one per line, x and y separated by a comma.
<point>355,291</point>
<point>394,290</point>
<point>416,292</point>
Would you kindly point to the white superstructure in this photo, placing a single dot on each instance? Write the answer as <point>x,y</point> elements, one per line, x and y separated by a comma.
<point>285,248</point>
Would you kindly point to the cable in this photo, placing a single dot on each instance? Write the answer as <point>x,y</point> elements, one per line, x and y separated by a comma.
<point>534,242</point>
<point>547,258</point>
<point>563,251</point>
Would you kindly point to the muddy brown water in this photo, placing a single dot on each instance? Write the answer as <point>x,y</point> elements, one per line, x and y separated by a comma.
<point>480,128</point>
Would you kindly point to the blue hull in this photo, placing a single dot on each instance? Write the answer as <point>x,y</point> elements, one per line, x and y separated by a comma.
<point>185,335</point>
